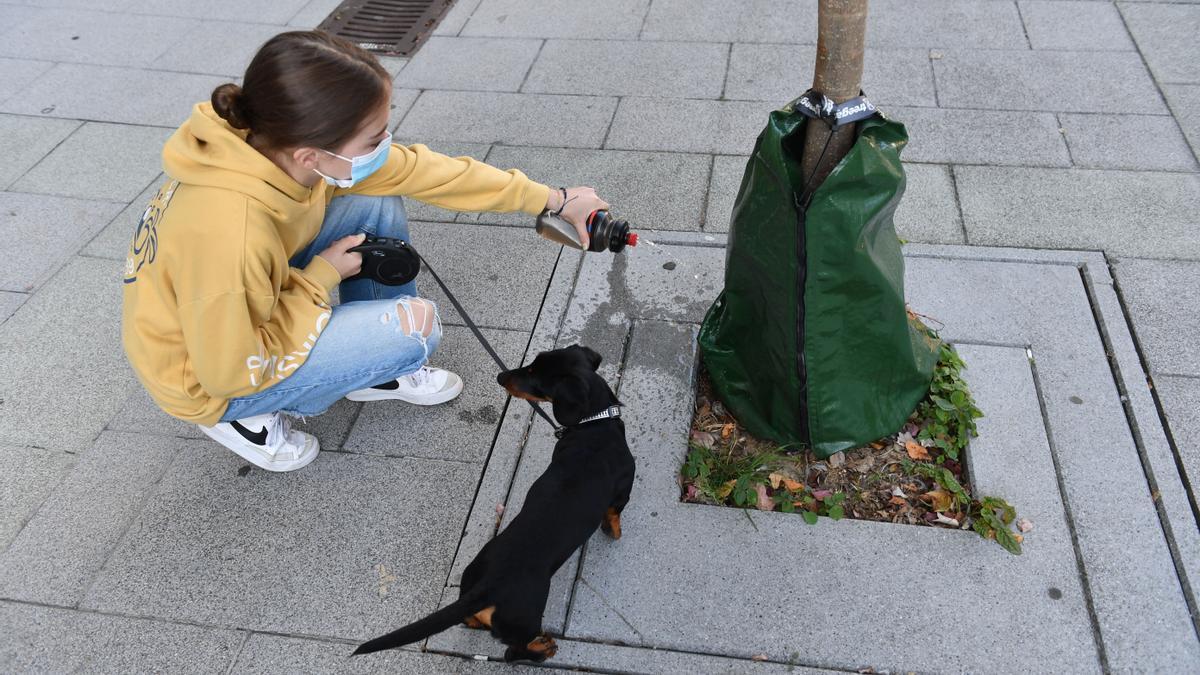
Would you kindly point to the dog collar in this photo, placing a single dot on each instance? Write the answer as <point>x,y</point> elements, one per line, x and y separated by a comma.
<point>611,411</point>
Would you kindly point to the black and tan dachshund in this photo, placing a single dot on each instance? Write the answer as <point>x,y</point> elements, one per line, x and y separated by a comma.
<point>586,485</point>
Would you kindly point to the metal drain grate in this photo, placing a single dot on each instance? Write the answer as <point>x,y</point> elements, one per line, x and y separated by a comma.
<point>392,27</point>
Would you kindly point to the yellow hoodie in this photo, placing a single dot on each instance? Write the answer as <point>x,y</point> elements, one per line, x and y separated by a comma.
<point>212,309</point>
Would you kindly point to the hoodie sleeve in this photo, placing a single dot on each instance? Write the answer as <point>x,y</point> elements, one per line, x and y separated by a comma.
<point>456,183</point>
<point>244,340</point>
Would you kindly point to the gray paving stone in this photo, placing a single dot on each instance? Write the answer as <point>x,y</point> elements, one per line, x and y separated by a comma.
<point>402,101</point>
<point>24,218</point>
<point>945,23</point>
<point>278,12</point>
<point>460,431</point>
<point>215,48</point>
<point>1045,306</point>
<point>651,190</point>
<point>485,64</point>
<point>630,68</point>
<point>98,38</point>
<point>727,172</point>
<point>25,140</point>
<point>63,546</point>
<point>747,21</point>
<point>928,211</point>
<point>981,137</point>
<point>890,23</point>
<point>9,302</point>
<point>1184,100</point>
<point>1166,35</point>
<point>16,74</point>
<point>420,211</point>
<point>101,93</point>
<point>454,20</point>
<point>720,127</point>
<point>113,241</point>
<point>546,18</point>
<point>513,119</point>
<point>314,13</point>
<point>278,654</point>
<point>1071,208</point>
<point>1045,81</point>
<point>1162,298</point>
<point>100,161</point>
<point>348,547</point>
<point>1163,474</point>
<point>72,325</point>
<point>1180,398</point>
<point>54,640</point>
<point>597,657</point>
<point>12,16</point>
<point>1074,25</point>
<point>1133,142</point>
<point>140,414</point>
<point>28,476</point>
<point>780,73</point>
<point>498,274</point>
<point>647,607</point>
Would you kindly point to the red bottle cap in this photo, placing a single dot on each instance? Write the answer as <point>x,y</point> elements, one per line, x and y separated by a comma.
<point>632,241</point>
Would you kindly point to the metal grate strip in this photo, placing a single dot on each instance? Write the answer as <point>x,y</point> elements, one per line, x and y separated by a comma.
<point>392,27</point>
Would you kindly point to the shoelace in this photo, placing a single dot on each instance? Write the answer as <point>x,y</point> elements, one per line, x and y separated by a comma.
<point>420,377</point>
<point>278,431</point>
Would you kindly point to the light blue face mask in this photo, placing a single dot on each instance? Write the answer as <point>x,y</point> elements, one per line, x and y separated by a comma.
<point>362,165</point>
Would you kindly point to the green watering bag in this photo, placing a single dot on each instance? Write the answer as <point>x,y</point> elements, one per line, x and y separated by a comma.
<point>810,341</point>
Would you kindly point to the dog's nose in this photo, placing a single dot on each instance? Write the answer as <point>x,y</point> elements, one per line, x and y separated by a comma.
<point>500,378</point>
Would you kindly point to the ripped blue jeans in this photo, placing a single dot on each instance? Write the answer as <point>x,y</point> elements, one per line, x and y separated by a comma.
<point>376,334</point>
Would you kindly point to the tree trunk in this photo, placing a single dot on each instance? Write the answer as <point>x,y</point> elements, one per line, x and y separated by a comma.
<point>841,31</point>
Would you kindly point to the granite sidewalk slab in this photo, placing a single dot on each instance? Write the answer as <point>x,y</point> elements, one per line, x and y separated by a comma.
<point>1102,558</point>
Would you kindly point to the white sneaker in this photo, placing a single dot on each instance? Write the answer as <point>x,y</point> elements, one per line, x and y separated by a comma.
<point>266,441</point>
<point>427,386</point>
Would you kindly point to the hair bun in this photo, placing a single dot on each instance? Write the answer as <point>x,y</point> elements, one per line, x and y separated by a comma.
<point>227,102</point>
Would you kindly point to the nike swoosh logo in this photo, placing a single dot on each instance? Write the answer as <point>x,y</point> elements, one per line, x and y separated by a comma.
<point>257,438</point>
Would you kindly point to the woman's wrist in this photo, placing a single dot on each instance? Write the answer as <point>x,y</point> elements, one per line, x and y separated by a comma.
<point>556,200</point>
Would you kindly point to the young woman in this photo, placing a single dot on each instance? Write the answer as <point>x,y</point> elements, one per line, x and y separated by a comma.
<point>227,313</point>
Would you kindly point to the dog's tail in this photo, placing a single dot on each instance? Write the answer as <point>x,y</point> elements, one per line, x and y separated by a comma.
<point>437,622</point>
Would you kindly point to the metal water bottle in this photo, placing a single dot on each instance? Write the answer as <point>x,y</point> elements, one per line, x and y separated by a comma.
<point>604,231</point>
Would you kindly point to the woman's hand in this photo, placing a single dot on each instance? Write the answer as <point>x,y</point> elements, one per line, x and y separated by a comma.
<point>347,264</point>
<point>581,201</point>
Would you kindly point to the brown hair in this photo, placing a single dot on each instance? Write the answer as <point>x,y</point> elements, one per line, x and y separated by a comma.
<point>304,88</point>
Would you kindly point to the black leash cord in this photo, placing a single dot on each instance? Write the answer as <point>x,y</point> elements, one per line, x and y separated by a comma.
<point>482,340</point>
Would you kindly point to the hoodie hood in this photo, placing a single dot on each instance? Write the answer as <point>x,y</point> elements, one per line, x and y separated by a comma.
<point>207,151</point>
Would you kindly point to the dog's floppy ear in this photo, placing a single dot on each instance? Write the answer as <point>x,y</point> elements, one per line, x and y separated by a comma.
<point>593,357</point>
<point>570,399</point>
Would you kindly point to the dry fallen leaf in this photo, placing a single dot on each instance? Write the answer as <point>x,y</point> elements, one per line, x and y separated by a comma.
<point>703,439</point>
<point>916,450</point>
<point>727,430</point>
<point>898,501</point>
<point>897,492</point>
<point>776,479</point>
<point>945,521</point>
<point>759,657</point>
<point>1024,525</point>
<point>940,499</point>
<point>793,485</point>
<point>877,445</point>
